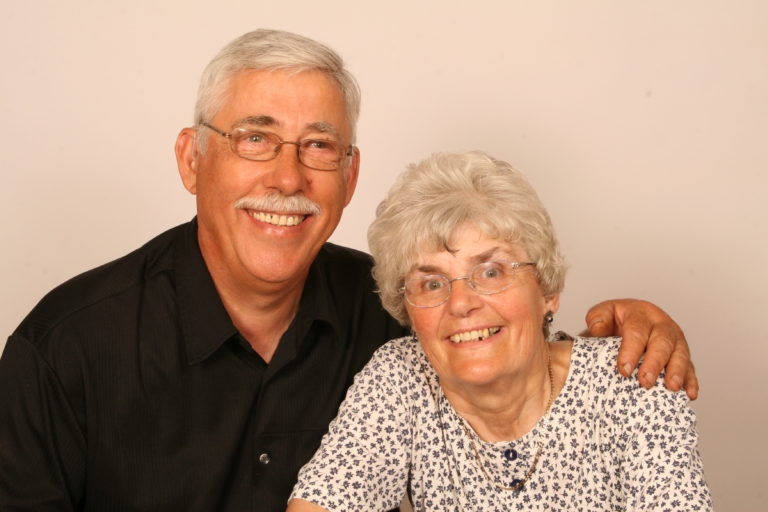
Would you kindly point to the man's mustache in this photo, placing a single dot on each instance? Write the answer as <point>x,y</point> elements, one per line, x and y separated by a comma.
<point>279,203</point>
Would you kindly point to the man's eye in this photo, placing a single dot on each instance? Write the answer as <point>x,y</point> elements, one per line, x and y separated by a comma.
<point>255,138</point>
<point>491,273</point>
<point>319,145</point>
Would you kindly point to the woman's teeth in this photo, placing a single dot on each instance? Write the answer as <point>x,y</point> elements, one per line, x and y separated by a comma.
<point>476,335</point>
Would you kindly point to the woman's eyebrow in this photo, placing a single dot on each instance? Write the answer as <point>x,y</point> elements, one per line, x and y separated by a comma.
<point>427,269</point>
<point>485,255</point>
<point>474,260</point>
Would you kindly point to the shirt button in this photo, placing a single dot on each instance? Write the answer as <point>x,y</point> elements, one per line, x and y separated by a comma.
<point>264,458</point>
<point>510,454</point>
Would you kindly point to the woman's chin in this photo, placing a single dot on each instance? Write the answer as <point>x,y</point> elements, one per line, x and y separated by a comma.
<point>477,374</point>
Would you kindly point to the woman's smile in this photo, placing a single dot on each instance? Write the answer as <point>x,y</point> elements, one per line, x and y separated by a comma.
<point>473,335</point>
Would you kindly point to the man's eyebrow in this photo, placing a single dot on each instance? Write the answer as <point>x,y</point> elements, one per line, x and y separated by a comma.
<point>323,127</point>
<point>264,120</point>
<point>258,121</point>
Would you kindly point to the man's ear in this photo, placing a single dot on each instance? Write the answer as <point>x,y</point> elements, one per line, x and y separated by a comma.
<point>352,173</point>
<point>187,158</point>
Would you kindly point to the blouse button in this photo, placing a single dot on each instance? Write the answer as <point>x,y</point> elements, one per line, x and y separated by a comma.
<point>510,454</point>
<point>264,458</point>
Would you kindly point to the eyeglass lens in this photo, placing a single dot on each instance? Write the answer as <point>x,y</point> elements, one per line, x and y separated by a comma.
<point>316,153</point>
<point>486,278</point>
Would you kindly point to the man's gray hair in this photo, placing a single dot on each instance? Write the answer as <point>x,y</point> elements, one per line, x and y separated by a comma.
<point>434,197</point>
<point>272,50</point>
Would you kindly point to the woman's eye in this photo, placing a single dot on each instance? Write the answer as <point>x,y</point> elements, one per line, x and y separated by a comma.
<point>431,285</point>
<point>491,273</point>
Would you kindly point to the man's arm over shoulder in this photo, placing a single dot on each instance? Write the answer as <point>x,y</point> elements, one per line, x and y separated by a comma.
<point>649,332</point>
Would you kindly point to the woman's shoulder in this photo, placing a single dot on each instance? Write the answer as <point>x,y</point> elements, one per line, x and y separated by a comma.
<point>401,361</point>
<point>404,350</point>
<point>595,354</point>
<point>594,366</point>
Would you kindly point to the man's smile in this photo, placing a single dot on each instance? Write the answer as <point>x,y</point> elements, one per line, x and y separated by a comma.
<point>277,219</point>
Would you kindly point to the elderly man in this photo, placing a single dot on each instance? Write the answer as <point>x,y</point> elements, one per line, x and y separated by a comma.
<point>200,371</point>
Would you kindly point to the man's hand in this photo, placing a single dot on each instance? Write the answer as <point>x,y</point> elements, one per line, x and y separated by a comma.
<point>646,328</point>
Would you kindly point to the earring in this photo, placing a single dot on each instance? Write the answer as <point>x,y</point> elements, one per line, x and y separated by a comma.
<point>549,317</point>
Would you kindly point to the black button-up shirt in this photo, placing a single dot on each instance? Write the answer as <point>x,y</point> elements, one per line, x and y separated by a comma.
<point>129,388</point>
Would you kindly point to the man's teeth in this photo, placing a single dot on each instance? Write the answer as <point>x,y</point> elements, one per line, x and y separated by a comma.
<point>277,219</point>
<point>477,335</point>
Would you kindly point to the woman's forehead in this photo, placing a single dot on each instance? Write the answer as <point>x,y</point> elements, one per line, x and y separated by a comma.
<point>468,250</point>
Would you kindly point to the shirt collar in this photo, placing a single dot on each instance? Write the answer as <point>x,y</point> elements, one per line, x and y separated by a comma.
<point>205,322</point>
<point>317,303</point>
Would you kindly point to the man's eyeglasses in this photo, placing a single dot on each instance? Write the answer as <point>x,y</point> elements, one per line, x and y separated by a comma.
<point>486,279</point>
<point>318,154</point>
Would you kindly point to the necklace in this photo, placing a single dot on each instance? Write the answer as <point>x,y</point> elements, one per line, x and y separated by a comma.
<point>516,483</point>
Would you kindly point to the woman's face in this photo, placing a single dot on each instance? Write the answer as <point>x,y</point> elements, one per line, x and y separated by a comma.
<point>474,339</point>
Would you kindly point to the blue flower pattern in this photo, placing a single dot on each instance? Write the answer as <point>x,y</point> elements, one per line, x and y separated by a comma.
<point>607,445</point>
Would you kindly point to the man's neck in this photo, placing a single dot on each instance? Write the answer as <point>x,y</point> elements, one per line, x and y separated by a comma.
<point>261,311</point>
<point>262,320</point>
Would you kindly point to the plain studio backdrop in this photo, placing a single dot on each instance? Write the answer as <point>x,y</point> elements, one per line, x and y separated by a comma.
<point>642,125</point>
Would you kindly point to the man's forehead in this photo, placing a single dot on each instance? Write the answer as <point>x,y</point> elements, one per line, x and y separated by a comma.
<point>273,98</point>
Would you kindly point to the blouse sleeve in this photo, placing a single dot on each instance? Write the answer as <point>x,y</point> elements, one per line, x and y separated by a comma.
<point>363,460</point>
<point>661,465</point>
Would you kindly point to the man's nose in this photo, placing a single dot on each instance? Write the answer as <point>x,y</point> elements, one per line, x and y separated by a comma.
<point>288,173</point>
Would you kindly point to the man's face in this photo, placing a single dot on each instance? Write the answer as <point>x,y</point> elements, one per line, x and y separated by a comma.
<point>264,245</point>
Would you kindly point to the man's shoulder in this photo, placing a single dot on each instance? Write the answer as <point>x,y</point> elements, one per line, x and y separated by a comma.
<point>346,274</point>
<point>100,284</point>
<point>346,271</point>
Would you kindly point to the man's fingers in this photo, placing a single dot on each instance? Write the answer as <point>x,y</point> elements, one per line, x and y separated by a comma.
<point>678,364</point>
<point>600,319</point>
<point>635,331</point>
<point>691,383</point>
<point>661,346</point>
<point>647,332</point>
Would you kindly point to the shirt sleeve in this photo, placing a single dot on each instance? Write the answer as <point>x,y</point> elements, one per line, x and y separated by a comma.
<point>42,447</point>
<point>363,462</point>
<point>661,466</point>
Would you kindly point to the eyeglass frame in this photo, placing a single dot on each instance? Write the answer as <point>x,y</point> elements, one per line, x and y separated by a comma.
<point>230,137</point>
<point>468,278</point>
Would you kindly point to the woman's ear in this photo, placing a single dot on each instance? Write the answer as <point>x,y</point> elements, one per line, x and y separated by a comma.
<point>552,303</point>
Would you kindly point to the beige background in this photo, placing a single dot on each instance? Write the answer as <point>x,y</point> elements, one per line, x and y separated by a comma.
<point>642,124</point>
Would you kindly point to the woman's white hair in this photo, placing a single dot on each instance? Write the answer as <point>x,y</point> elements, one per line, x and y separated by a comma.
<point>272,50</point>
<point>432,198</point>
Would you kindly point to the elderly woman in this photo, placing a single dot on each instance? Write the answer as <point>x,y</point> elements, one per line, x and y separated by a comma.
<point>479,410</point>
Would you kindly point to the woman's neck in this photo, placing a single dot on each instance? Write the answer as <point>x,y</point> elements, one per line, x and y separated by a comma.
<point>510,408</point>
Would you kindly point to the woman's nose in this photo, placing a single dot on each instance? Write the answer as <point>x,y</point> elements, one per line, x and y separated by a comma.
<point>463,299</point>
